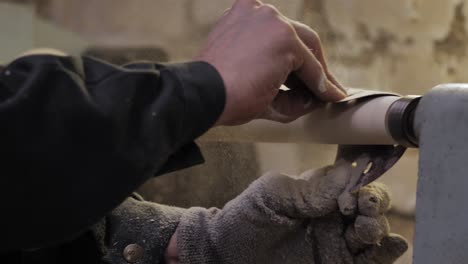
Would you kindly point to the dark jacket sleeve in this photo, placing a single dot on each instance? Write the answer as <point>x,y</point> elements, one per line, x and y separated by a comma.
<point>78,135</point>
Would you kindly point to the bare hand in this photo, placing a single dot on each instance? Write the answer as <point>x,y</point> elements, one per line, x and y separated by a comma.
<point>256,50</point>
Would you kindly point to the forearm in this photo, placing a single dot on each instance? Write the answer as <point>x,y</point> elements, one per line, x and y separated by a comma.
<point>73,126</point>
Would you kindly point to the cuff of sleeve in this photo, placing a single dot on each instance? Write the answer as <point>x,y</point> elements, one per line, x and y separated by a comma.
<point>196,238</point>
<point>204,94</point>
<point>139,232</point>
<point>186,157</point>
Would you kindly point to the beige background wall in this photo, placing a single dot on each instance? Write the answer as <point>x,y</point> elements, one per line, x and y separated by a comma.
<point>406,46</point>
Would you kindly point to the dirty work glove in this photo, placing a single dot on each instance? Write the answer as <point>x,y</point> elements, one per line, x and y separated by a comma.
<point>358,235</point>
<point>281,219</point>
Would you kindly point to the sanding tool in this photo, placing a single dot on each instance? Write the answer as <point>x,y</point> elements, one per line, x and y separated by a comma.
<point>379,159</point>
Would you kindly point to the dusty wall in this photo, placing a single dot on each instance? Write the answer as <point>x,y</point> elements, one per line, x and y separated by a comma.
<point>407,46</point>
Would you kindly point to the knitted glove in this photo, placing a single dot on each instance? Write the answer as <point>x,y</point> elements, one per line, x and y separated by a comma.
<point>282,219</point>
<point>278,219</point>
<point>137,232</point>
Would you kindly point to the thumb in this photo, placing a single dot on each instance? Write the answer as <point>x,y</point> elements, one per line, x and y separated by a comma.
<point>290,105</point>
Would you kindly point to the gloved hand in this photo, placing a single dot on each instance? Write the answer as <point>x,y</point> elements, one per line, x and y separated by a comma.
<point>281,219</point>
<point>278,219</point>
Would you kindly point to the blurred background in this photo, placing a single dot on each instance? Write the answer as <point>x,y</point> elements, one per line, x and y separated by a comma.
<point>405,46</point>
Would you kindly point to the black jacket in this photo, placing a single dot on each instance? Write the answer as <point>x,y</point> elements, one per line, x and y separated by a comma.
<point>78,135</point>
